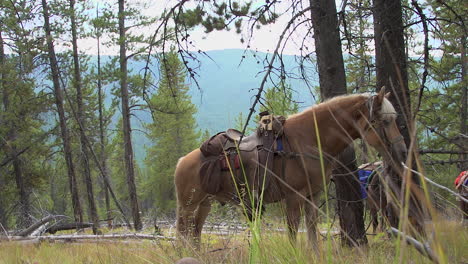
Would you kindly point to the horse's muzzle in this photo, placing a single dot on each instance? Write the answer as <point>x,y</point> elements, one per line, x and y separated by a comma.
<point>399,152</point>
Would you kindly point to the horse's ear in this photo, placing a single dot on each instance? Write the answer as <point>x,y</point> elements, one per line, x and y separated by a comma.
<point>387,95</point>
<point>379,98</point>
<point>381,95</point>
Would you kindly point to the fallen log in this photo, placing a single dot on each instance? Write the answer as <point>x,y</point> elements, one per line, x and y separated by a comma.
<point>67,226</point>
<point>34,227</point>
<point>424,249</point>
<point>87,238</point>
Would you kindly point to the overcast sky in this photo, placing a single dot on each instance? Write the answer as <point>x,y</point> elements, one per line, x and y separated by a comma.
<point>265,38</point>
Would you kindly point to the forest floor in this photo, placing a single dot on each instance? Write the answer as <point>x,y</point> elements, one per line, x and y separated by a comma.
<point>274,247</point>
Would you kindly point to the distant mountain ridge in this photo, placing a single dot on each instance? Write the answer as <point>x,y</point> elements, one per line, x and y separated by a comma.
<point>228,81</point>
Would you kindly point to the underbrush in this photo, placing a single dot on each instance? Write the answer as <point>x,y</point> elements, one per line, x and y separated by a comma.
<point>274,247</point>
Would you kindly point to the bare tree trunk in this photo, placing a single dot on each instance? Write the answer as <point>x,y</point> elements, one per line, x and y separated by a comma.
<point>80,116</point>
<point>58,93</point>
<point>332,83</point>
<point>390,59</point>
<point>392,72</point>
<point>464,105</point>
<point>10,145</point>
<point>129,161</point>
<point>102,136</point>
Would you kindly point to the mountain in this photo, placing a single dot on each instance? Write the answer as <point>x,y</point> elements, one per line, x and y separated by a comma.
<point>228,81</point>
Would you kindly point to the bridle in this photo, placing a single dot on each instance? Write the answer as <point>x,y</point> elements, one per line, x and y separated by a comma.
<point>375,122</point>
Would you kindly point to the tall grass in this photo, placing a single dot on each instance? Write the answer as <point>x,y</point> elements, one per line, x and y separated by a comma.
<point>273,247</point>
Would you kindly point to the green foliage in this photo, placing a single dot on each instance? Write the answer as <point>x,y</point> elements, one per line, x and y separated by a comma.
<point>221,14</point>
<point>278,100</point>
<point>360,75</point>
<point>173,132</point>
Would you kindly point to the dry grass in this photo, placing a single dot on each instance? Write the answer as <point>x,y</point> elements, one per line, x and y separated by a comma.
<point>274,248</point>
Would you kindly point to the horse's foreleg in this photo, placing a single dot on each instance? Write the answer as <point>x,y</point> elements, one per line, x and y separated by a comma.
<point>311,216</point>
<point>293,216</point>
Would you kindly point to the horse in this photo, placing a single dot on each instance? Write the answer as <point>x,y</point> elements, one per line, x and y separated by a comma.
<point>376,201</point>
<point>323,130</point>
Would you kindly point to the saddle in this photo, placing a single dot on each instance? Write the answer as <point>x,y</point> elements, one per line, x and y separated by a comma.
<point>248,158</point>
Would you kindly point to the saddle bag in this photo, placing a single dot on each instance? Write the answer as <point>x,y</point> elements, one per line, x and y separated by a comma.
<point>210,179</point>
<point>214,146</point>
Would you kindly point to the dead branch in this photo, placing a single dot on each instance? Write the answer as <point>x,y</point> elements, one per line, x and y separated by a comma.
<point>426,55</point>
<point>88,238</point>
<point>424,249</point>
<point>44,221</point>
<point>443,162</point>
<point>441,151</point>
<point>437,185</point>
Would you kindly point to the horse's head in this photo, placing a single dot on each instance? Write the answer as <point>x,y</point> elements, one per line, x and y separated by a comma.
<point>378,127</point>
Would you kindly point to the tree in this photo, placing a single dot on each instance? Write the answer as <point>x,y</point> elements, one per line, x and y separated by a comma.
<point>127,130</point>
<point>173,130</point>
<point>58,93</point>
<point>77,82</point>
<point>449,72</point>
<point>278,100</point>
<point>391,60</point>
<point>332,83</point>
<point>103,119</point>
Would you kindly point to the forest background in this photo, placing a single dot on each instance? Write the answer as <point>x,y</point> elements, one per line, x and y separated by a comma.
<point>97,137</point>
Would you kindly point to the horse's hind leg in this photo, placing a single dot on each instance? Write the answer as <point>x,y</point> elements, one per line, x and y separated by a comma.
<point>200,216</point>
<point>311,216</point>
<point>186,220</point>
<point>293,215</point>
<point>374,218</point>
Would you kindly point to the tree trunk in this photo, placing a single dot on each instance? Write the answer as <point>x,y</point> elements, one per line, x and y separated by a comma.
<point>80,116</point>
<point>102,136</point>
<point>392,72</point>
<point>10,145</point>
<point>58,93</point>
<point>332,83</point>
<point>129,161</point>
<point>390,59</point>
<point>464,106</point>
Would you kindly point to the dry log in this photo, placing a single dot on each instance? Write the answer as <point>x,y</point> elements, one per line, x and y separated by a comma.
<point>34,227</point>
<point>87,238</point>
<point>424,249</point>
<point>67,226</point>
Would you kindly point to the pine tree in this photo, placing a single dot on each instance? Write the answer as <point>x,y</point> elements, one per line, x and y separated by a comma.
<point>22,109</point>
<point>174,131</point>
<point>278,100</point>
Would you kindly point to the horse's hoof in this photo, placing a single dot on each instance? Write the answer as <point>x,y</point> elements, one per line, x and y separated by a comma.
<point>188,261</point>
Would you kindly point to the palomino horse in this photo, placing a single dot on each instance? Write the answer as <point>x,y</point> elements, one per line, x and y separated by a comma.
<point>334,124</point>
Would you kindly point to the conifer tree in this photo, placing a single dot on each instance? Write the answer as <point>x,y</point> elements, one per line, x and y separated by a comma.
<point>278,100</point>
<point>174,131</point>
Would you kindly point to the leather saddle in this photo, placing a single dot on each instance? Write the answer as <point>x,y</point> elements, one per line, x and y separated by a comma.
<point>248,143</point>
<point>254,151</point>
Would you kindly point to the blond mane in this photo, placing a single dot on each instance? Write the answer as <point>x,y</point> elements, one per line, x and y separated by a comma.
<point>387,111</point>
<point>333,100</point>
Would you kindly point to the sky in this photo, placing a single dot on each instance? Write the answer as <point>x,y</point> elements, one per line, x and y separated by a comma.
<point>264,40</point>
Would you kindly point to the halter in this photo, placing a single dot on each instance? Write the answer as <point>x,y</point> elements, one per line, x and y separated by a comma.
<point>375,122</point>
